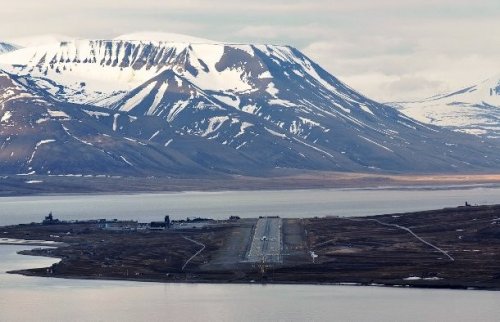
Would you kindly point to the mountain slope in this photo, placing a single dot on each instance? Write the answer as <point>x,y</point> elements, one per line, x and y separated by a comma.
<point>6,47</point>
<point>474,110</point>
<point>39,136</point>
<point>271,106</point>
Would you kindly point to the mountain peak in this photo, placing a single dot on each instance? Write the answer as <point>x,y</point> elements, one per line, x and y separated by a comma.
<point>270,105</point>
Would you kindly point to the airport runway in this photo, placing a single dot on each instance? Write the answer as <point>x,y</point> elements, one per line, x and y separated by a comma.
<point>267,241</point>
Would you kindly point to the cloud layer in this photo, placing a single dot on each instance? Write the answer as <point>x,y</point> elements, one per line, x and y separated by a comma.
<point>390,50</point>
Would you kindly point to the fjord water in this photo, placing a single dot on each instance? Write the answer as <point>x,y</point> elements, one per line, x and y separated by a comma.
<point>284,203</point>
<point>48,299</point>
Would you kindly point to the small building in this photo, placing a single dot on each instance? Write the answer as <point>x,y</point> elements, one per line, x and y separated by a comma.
<point>49,220</point>
<point>160,225</point>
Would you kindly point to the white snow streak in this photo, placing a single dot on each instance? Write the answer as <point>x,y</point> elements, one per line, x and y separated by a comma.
<point>115,121</point>
<point>58,114</point>
<point>126,161</point>
<point>6,117</point>
<point>95,114</point>
<point>158,98</point>
<point>168,142</point>
<point>377,144</point>
<point>154,135</point>
<point>137,98</point>
<point>281,135</point>
<point>74,137</point>
<point>214,124</point>
<point>37,146</point>
<point>243,127</point>
<point>315,148</point>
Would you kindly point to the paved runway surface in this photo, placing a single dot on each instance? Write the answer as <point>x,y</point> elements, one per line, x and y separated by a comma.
<point>267,241</point>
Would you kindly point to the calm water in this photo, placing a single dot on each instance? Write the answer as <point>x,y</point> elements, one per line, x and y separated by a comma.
<point>46,299</point>
<point>298,203</point>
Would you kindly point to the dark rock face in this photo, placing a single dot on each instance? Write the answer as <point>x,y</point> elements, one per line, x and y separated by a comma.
<point>146,108</point>
<point>6,47</point>
<point>39,136</point>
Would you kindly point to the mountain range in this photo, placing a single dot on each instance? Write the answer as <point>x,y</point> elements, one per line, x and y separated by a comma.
<point>474,109</point>
<point>161,104</point>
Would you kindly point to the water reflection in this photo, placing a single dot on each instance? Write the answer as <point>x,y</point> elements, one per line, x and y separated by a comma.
<point>49,299</point>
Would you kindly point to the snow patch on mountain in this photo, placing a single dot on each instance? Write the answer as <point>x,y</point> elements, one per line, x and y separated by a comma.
<point>132,102</point>
<point>271,89</point>
<point>37,145</point>
<point>96,114</point>
<point>6,117</point>
<point>214,124</point>
<point>474,109</point>
<point>243,127</point>
<point>280,135</point>
<point>58,114</point>
<point>272,102</point>
<point>158,98</point>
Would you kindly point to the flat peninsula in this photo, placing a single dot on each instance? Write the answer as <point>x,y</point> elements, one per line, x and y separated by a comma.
<point>448,248</point>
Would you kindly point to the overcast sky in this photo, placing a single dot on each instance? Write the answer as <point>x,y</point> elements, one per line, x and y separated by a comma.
<point>390,50</point>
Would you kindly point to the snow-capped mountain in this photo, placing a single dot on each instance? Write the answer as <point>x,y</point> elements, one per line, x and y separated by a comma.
<point>265,106</point>
<point>7,47</point>
<point>40,136</point>
<point>474,110</point>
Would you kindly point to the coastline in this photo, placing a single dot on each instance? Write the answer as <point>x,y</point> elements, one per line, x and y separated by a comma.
<point>366,251</point>
<point>13,186</point>
<point>27,242</point>
<point>28,272</point>
<point>412,187</point>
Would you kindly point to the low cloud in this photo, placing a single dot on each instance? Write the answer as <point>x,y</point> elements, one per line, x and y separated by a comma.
<point>410,84</point>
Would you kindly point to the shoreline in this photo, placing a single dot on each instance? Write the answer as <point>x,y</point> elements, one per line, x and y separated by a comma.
<point>27,242</point>
<point>402,187</point>
<point>370,250</point>
<point>28,272</point>
<point>16,186</point>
